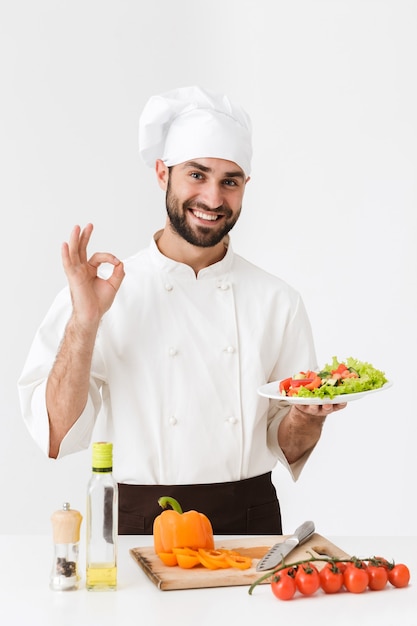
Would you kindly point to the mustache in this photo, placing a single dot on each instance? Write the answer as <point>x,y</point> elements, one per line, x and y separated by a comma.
<point>224,210</point>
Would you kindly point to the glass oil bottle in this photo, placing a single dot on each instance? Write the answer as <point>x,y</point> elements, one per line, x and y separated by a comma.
<point>102,521</point>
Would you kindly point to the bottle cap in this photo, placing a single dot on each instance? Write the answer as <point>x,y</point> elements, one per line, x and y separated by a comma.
<point>102,456</point>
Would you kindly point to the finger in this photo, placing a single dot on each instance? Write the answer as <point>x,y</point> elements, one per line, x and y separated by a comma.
<point>73,245</point>
<point>70,258</point>
<point>77,245</point>
<point>65,256</point>
<point>330,408</point>
<point>339,407</point>
<point>310,410</point>
<point>84,239</point>
<point>103,257</point>
<point>316,410</point>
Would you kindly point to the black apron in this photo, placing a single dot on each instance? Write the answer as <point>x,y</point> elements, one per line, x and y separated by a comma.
<point>243,507</point>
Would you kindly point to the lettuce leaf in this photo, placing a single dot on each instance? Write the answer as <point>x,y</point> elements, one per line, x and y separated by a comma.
<point>369,378</point>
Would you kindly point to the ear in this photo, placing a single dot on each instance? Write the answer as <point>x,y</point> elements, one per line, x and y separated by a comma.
<point>161,174</point>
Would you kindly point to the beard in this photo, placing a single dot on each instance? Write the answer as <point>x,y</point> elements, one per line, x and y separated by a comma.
<point>198,235</point>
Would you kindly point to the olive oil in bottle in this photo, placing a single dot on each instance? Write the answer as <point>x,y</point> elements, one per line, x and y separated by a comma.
<point>102,527</point>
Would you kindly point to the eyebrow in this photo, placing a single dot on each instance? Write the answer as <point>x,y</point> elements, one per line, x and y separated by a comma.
<point>203,168</point>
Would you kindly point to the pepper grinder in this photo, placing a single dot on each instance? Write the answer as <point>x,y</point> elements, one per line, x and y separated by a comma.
<point>66,533</point>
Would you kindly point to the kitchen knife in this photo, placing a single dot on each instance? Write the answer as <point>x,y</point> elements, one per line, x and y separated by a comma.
<point>280,550</point>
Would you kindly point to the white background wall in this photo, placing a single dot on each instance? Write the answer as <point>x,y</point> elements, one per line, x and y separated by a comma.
<point>331,208</point>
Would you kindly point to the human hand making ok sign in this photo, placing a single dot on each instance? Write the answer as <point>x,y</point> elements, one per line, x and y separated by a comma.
<point>91,295</point>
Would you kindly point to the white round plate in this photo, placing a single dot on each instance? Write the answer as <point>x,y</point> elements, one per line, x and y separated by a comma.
<point>271,390</point>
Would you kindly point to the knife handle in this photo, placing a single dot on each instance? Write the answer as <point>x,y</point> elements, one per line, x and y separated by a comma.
<point>304,531</point>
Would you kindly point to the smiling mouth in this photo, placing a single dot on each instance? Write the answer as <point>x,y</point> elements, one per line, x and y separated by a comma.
<point>208,217</point>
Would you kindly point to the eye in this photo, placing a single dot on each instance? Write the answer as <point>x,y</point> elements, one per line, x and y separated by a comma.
<point>196,175</point>
<point>230,182</point>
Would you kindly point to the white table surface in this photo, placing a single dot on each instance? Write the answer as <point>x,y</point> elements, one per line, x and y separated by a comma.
<point>27,600</point>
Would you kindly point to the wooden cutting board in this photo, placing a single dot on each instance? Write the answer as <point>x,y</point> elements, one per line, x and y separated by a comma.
<point>166,578</point>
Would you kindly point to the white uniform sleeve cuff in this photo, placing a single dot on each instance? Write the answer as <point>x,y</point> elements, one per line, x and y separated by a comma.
<point>78,437</point>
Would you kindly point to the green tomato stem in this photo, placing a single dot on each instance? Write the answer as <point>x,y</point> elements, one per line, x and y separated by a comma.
<point>284,565</point>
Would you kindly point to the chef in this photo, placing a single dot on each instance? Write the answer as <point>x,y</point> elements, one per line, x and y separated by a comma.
<point>163,353</point>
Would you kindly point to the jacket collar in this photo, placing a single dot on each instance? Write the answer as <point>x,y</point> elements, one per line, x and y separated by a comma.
<point>169,265</point>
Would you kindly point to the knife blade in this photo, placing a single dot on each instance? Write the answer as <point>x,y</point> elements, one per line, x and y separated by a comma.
<point>280,550</point>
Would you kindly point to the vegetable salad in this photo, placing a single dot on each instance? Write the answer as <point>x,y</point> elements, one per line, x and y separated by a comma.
<point>334,379</point>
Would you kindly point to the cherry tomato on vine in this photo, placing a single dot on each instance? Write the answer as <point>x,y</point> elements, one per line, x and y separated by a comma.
<point>283,585</point>
<point>341,566</point>
<point>399,575</point>
<point>356,577</point>
<point>380,560</point>
<point>378,577</point>
<point>331,578</point>
<point>307,579</point>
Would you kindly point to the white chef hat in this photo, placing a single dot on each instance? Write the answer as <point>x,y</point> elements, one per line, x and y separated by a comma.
<point>191,123</point>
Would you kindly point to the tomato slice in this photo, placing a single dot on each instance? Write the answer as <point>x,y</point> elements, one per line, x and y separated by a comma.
<point>315,383</point>
<point>284,385</point>
<point>301,382</point>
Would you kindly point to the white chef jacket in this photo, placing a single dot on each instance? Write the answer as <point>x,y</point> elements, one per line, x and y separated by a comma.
<point>175,371</point>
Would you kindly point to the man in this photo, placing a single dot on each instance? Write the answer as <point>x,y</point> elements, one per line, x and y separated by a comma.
<point>169,348</point>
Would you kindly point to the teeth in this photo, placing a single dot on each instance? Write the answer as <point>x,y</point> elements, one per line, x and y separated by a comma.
<point>205,216</point>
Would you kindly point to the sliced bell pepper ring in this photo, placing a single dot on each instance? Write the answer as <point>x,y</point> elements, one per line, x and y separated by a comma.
<point>238,561</point>
<point>187,558</point>
<point>213,559</point>
<point>187,561</point>
<point>184,557</point>
<point>185,551</point>
<point>168,558</point>
<point>207,563</point>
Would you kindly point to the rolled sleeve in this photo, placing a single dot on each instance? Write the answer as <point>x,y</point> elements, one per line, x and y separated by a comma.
<point>36,418</point>
<point>79,436</point>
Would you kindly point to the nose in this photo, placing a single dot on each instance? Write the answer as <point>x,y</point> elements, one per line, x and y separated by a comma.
<point>213,195</point>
